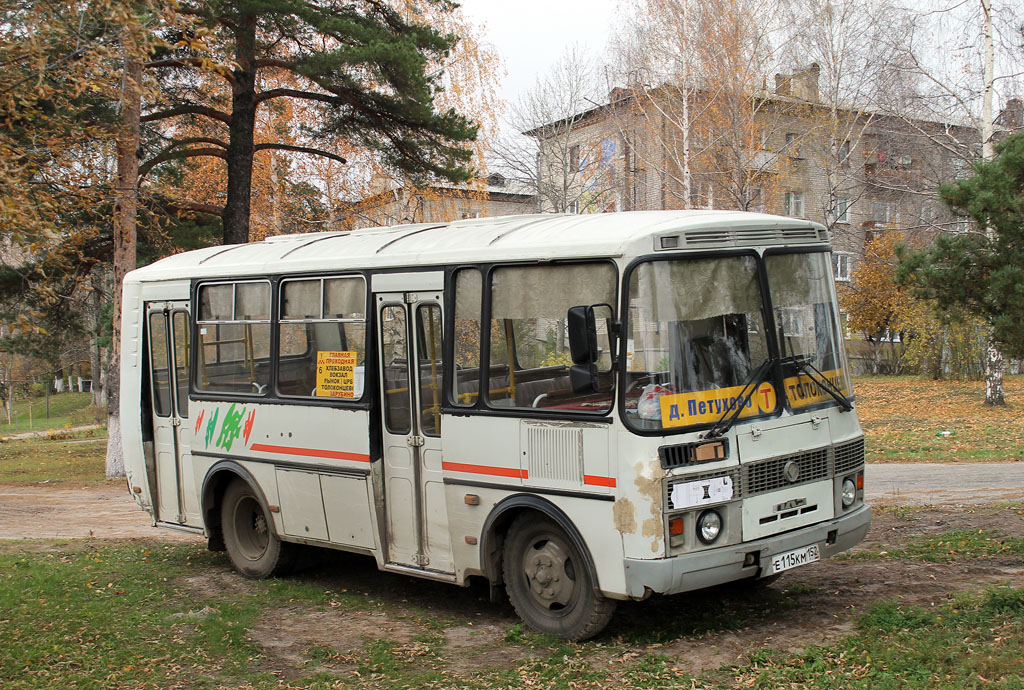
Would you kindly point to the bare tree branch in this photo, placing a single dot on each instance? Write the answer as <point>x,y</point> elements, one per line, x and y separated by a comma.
<point>211,113</point>
<point>300,149</point>
<point>176,155</point>
<point>295,93</point>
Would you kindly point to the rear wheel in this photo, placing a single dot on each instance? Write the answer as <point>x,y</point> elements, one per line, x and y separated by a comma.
<point>255,551</point>
<point>548,582</point>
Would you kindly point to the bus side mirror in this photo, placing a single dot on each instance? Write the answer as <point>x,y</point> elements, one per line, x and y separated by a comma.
<point>582,326</point>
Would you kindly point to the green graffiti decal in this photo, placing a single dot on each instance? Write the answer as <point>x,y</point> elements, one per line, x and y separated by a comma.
<point>211,427</point>
<point>231,428</point>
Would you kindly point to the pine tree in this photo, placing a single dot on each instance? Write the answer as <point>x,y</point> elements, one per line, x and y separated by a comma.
<point>982,271</point>
<point>371,69</point>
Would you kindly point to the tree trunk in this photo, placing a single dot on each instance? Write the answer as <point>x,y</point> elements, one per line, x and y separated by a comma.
<point>994,358</point>
<point>95,352</point>
<point>994,377</point>
<point>275,197</point>
<point>125,210</point>
<point>243,127</point>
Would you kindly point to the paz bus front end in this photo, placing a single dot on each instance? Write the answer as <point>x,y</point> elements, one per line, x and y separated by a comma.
<point>737,394</point>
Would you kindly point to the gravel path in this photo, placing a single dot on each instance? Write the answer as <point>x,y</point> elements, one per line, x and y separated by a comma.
<point>944,484</point>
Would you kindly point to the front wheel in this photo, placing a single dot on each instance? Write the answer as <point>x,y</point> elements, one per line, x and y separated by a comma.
<point>548,582</point>
<point>255,551</point>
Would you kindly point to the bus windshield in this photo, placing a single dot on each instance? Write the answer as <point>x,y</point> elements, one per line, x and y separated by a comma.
<point>808,332</point>
<point>696,337</point>
<point>695,334</point>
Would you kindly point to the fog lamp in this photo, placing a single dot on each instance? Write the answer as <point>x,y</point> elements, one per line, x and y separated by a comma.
<point>709,526</point>
<point>849,492</point>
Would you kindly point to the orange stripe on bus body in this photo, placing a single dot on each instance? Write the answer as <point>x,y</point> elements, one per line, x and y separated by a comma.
<point>485,469</point>
<point>595,480</point>
<point>310,452</point>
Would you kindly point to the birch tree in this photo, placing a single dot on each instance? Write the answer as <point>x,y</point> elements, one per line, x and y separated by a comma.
<point>699,121</point>
<point>965,58</point>
<point>554,144</point>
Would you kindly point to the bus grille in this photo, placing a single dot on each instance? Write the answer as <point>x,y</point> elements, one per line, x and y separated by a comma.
<point>849,456</point>
<point>767,475</point>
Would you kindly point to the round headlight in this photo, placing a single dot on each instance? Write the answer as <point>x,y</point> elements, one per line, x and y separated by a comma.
<point>709,526</point>
<point>849,492</point>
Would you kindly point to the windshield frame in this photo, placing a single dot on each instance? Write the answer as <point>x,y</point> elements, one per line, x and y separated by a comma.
<point>762,284</point>
<point>829,401</point>
<point>768,317</point>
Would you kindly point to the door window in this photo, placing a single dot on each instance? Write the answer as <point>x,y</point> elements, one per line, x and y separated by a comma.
<point>395,369</point>
<point>179,322</point>
<point>159,349</point>
<point>428,325</point>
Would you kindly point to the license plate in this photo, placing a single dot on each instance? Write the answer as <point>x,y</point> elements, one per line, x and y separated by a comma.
<point>794,558</point>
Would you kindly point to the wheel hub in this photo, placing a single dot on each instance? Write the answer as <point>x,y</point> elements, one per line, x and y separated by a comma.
<point>546,571</point>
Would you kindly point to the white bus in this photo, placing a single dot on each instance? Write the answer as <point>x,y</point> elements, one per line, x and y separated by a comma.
<point>579,409</point>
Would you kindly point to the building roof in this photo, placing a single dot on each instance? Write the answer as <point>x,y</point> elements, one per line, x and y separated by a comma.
<point>505,238</point>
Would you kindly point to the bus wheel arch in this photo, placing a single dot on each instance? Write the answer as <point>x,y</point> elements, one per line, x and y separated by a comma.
<point>534,548</point>
<point>238,520</point>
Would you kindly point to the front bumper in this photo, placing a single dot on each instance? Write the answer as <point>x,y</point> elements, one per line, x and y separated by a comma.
<point>717,566</point>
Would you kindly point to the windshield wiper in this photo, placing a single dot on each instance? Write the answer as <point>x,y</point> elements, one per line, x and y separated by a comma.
<point>726,421</point>
<point>803,364</point>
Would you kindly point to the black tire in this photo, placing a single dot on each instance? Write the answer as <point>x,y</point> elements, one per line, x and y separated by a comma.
<point>254,548</point>
<point>548,582</point>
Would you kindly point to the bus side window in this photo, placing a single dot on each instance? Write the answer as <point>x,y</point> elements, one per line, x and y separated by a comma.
<point>468,292</point>
<point>234,338</point>
<point>322,338</point>
<point>529,345</point>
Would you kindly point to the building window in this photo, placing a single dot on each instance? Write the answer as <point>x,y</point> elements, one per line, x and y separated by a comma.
<point>841,266</point>
<point>844,153</point>
<point>756,200</point>
<point>883,212</point>
<point>842,210</point>
<point>794,204</point>
<point>574,158</point>
<point>887,336</point>
<point>792,150</point>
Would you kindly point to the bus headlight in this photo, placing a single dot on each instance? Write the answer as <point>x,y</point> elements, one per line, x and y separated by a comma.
<point>849,492</point>
<point>709,526</point>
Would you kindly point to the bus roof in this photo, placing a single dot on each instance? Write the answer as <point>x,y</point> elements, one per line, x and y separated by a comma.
<point>504,238</point>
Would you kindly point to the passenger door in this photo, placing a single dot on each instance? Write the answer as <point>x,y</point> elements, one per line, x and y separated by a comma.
<point>411,371</point>
<point>169,358</point>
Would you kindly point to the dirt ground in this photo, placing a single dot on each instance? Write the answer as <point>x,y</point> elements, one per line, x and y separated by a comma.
<point>810,605</point>
<point>70,511</point>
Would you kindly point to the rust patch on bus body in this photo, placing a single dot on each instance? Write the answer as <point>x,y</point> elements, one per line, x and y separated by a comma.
<point>648,483</point>
<point>624,513</point>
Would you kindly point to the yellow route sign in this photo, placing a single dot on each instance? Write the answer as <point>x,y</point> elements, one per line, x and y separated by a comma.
<point>335,374</point>
<point>703,407</point>
<point>802,390</point>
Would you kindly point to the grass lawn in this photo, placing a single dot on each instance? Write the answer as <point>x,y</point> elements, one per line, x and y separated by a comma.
<point>66,410</point>
<point>77,459</point>
<point>902,416</point>
<point>130,615</point>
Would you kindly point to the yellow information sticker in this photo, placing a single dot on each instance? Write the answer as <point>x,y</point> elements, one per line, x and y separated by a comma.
<point>704,407</point>
<point>335,374</point>
<point>802,390</point>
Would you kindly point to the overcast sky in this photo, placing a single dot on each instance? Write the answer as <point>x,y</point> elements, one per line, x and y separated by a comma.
<point>531,35</point>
